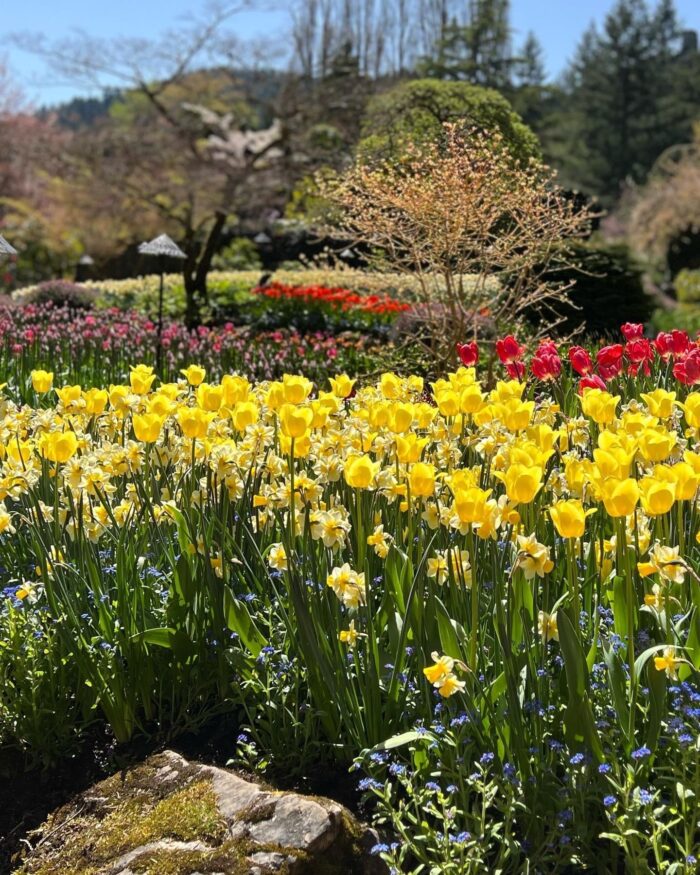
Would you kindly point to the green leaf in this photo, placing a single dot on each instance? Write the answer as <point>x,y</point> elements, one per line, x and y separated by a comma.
<point>693,644</point>
<point>448,634</point>
<point>618,686</point>
<point>580,724</point>
<point>161,637</point>
<point>657,705</point>
<point>401,740</point>
<point>238,620</point>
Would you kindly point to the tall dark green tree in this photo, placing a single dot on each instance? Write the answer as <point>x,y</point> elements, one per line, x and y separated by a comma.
<point>478,51</point>
<point>529,93</point>
<point>623,99</point>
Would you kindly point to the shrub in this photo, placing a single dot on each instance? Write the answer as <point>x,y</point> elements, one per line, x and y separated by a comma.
<point>463,207</point>
<point>240,254</point>
<point>607,288</point>
<point>62,293</point>
<point>687,285</point>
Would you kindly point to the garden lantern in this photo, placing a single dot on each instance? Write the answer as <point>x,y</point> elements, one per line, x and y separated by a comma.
<point>5,248</point>
<point>161,248</point>
<point>83,267</point>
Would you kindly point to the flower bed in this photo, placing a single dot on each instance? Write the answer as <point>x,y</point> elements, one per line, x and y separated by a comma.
<point>96,347</point>
<point>486,596</point>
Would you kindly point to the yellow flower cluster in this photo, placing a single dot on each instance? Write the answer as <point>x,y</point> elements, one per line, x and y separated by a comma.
<point>453,457</point>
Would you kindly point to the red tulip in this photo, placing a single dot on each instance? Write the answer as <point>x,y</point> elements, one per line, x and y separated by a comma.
<point>688,369</point>
<point>580,360</point>
<point>639,350</point>
<point>632,330</point>
<point>591,381</point>
<point>509,350</point>
<point>515,370</point>
<point>609,360</point>
<point>468,353</point>
<point>546,364</point>
<point>675,343</point>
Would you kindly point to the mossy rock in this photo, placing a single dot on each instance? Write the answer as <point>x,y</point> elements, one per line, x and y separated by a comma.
<point>168,816</point>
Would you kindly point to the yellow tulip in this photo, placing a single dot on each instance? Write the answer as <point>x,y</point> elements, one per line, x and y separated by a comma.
<point>660,402</point>
<point>341,385</point>
<point>296,389</point>
<point>448,403</point>
<point>19,450</point>
<point>577,475</point>
<point>391,386</point>
<point>422,479</point>
<point>470,504</point>
<point>471,399</point>
<point>245,413</point>
<point>235,389</point>
<point>194,374</point>
<point>620,495</point>
<point>516,414</point>
<point>656,444</point>
<point>409,447</point>
<point>58,446</point>
<point>400,418</point>
<point>210,397</point>
<point>658,491</point>
<point>194,422</point>
<point>691,409</point>
<point>141,379</point>
<point>69,395</point>
<point>522,483</point>
<point>687,481</point>
<point>95,401</point>
<point>360,471</point>
<point>295,421</point>
<point>569,518</point>
<point>118,396</point>
<point>160,404</point>
<point>147,427</point>
<point>42,381</point>
<point>599,405</point>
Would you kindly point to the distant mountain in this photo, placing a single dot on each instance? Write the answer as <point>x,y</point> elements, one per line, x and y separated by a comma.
<point>260,86</point>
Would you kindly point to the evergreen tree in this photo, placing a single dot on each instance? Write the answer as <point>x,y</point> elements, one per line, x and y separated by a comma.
<point>624,104</point>
<point>529,65</point>
<point>478,51</point>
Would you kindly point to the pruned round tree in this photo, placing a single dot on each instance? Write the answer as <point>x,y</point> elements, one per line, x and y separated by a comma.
<point>414,113</point>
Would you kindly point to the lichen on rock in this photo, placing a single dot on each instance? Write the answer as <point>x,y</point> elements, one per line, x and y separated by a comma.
<point>168,816</point>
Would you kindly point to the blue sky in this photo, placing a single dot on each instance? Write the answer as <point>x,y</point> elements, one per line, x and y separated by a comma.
<point>558,24</point>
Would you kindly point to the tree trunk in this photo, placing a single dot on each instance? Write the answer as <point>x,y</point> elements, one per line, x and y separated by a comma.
<point>196,269</point>
<point>210,247</point>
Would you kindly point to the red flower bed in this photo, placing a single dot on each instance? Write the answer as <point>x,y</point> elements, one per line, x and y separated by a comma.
<point>339,299</point>
<point>636,356</point>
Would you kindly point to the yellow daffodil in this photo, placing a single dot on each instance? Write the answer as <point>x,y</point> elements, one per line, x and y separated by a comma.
<point>533,557</point>
<point>547,626</point>
<point>668,662</point>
